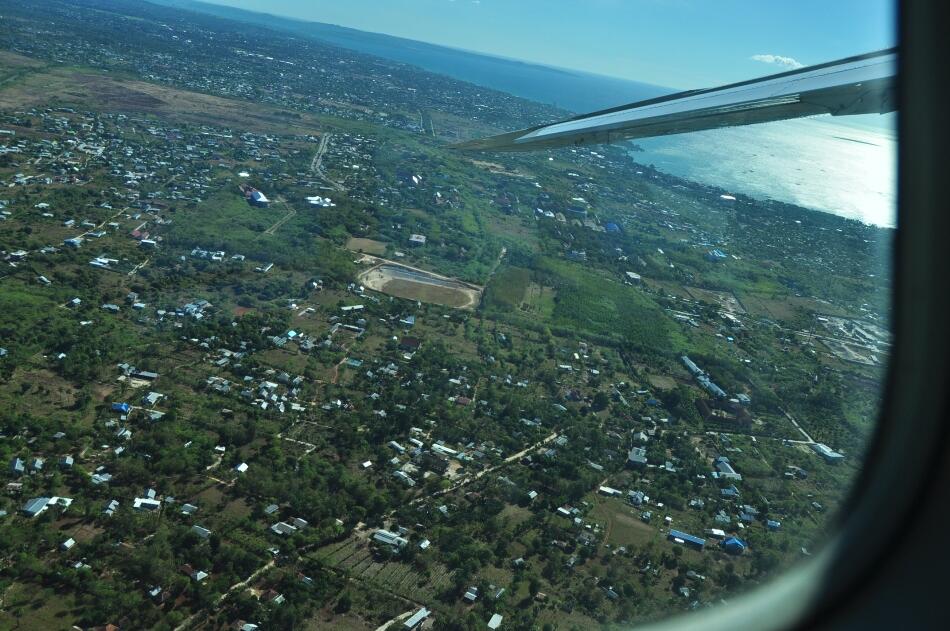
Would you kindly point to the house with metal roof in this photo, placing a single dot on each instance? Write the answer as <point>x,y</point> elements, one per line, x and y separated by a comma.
<point>403,477</point>
<point>258,198</point>
<point>416,619</point>
<point>152,398</point>
<point>730,492</point>
<point>283,528</point>
<point>100,478</point>
<point>636,497</point>
<point>17,467</point>
<point>387,538</point>
<point>690,540</point>
<point>831,456</point>
<point>637,457</point>
<point>146,504</point>
<point>202,532</point>
<point>724,470</point>
<point>36,506</point>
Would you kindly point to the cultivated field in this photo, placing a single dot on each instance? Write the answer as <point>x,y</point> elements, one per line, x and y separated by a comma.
<point>355,557</point>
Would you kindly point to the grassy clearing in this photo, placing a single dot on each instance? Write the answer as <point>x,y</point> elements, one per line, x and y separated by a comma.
<point>225,219</point>
<point>515,515</point>
<point>369,246</point>
<point>600,305</point>
<point>470,223</point>
<point>539,300</point>
<point>621,526</point>
<point>784,307</point>
<point>31,607</point>
<point>662,382</point>
<point>507,289</point>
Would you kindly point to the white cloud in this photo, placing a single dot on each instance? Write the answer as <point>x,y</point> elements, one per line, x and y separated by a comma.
<point>778,60</point>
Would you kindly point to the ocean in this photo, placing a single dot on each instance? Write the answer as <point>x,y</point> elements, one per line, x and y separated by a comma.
<point>821,163</point>
<point>843,166</point>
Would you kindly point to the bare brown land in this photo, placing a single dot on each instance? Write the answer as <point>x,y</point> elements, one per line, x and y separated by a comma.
<point>32,84</point>
<point>423,286</point>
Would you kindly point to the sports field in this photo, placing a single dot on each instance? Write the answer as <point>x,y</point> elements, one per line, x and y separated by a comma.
<point>414,284</point>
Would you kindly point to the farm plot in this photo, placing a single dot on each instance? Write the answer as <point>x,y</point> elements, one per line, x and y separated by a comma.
<point>356,558</point>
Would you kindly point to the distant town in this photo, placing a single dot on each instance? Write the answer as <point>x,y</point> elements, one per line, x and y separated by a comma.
<point>273,355</point>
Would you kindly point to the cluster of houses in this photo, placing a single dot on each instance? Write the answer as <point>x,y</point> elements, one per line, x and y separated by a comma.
<point>267,389</point>
<point>169,166</point>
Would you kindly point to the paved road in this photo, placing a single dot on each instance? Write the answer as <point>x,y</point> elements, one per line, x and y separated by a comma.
<point>316,165</point>
<point>799,427</point>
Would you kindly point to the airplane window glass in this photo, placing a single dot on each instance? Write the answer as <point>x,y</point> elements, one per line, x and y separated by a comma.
<point>433,314</point>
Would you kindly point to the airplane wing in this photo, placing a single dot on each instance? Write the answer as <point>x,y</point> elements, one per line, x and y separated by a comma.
<point>856,85</point>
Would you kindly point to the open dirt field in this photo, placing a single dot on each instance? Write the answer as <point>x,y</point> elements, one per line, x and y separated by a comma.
<point>30,84</point>
<point>498,169</point>
<point>412,284</point>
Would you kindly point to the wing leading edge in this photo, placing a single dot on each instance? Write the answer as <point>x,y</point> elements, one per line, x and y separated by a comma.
<point>856,85</point>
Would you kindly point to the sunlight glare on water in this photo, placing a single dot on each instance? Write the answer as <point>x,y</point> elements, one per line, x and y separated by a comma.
<point>822,163</point>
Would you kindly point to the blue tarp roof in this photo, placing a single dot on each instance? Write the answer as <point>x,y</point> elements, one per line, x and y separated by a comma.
<point>121,407</point>
<point>734,544</point>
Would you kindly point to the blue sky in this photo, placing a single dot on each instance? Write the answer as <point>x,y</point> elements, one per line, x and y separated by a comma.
<point>674,43</point>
